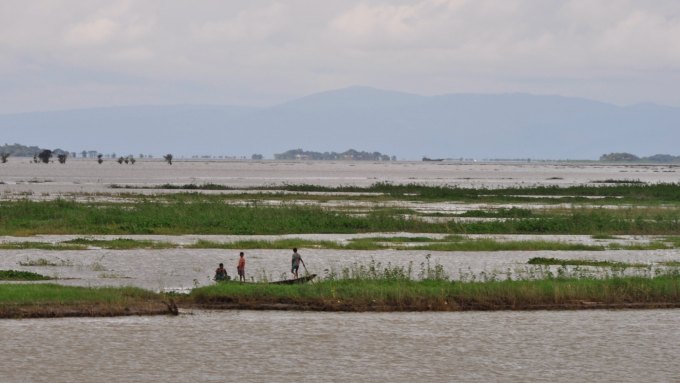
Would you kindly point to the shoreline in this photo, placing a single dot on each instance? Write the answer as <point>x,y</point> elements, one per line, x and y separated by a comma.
<point>100,311</point>
<point>330,307</point>
<point>349,295</point>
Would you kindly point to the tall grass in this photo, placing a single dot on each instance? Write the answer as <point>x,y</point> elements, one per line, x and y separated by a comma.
<point>14,275</point>
<point>398,294</point>
<point>58,294</point>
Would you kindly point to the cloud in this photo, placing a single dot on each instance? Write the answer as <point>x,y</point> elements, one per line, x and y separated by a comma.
<point>94,32</point>
<point>266,51</point>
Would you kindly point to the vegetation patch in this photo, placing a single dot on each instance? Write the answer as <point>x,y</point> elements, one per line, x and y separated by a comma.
<point>615,181</point>
<point>41,246</point>
<point>50,300</point>
<point>406,295</point>
<point>15,275</point>
<point>614,191</point>
<point>42,262</point>
<point>582,262</point>
<point>121,243</point>
<point>513,212</point>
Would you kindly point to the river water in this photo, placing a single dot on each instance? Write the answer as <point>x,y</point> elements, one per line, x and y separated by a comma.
<point>240,346</point>
<point>21,178</point>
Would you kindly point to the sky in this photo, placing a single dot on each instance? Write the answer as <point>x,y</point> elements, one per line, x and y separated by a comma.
<point>65,54</point>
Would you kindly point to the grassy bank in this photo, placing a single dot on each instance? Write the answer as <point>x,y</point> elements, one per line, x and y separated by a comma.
<point>406,295</point>
<point>381,294</point>
<point>50,300</point>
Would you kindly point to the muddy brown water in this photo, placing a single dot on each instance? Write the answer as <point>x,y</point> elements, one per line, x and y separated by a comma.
<point>239,346</point>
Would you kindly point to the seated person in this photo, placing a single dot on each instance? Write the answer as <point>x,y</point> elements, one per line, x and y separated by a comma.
<point>221,273</point>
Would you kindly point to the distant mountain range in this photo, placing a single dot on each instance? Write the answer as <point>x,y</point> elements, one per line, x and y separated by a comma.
<point>407,125</point>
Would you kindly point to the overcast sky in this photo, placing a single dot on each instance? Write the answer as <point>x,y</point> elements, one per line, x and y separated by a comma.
<point>68,54</point>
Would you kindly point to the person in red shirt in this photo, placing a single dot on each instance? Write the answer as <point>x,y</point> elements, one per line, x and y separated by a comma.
<point>241,268</point>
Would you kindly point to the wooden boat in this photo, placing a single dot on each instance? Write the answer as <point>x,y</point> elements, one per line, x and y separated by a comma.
<point>295,281</point>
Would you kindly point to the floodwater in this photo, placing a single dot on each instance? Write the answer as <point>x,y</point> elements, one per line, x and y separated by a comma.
<point>182,269</point>
<point>238,346</point>
<point>20,177</point>
<point>241,346</point>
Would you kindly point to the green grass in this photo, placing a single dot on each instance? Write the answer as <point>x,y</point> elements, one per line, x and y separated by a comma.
<point>513,212</point>
<point>200,217</point>
<point>51,300</point>
<point>603,236</point>
<point>121,243</point>
<point>14,275</point>
<point>622,191</point>
<point>41,246</point>
<point>670,263</point>
<point>493,245</point>
<point>211,215</point>
<point>444,295</point>
<point>582,262</point>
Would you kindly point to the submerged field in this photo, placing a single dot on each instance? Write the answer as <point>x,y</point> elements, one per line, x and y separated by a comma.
<point>523,237</point>
<point>640,209</point>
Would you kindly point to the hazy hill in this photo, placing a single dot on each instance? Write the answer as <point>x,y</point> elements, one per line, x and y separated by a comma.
<point>410,126</point>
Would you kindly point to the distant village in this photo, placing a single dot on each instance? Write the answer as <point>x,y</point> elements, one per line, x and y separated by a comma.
<point>19,150</point>
<point>45,155</point>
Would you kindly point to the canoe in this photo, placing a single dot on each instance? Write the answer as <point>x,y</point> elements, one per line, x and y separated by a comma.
<point>304,279</point>
<point>295,281</point>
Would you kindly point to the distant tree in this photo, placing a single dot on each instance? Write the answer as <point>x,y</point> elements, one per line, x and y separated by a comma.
<point>45,156</point>
<point>256,157</point>
<point>3,157</point>
<point>619,157</point>
<point>120,160</point>
<point>62,158</point>
<point>99,158</point>
<point>35,158</point>
<point>168,158</point>
<point>131,158</point>
<point>83,154</point>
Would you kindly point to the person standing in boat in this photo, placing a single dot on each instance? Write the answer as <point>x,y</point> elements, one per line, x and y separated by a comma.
<point>221,273</point>
<point>295,263</point>
<point>241,268</point>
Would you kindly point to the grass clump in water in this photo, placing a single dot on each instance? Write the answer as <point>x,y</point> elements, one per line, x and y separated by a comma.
<point>15,275</point>
<point>51,300</point>
<point>42,262</point>
<point>121,243</point>
<point>582,262</point>
<point>41,246</point>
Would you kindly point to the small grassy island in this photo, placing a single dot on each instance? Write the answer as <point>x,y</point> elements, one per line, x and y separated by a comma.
<point>377,294</point>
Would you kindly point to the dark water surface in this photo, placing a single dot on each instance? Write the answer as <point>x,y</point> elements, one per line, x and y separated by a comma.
<point>246,346</point>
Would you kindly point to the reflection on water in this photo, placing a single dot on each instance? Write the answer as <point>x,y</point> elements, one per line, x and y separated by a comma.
<point>612,346</point>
